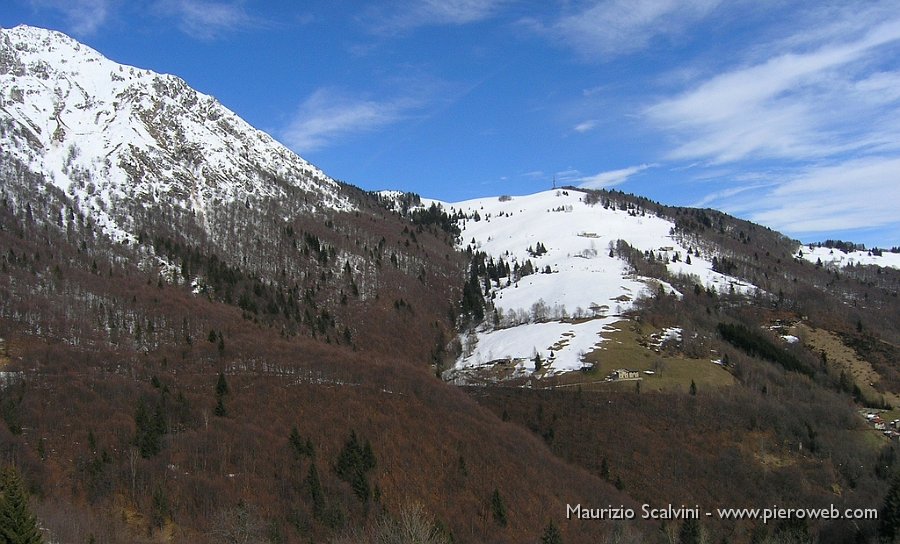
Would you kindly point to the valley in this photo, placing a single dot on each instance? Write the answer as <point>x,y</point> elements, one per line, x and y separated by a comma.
<point>205,338</point>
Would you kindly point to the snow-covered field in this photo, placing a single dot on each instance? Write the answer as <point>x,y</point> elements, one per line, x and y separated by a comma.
<point>559,345</point>
<point>534,315</point>
<point>836,257</point>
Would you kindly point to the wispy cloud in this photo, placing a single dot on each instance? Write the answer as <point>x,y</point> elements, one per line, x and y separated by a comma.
<point>330,114</point>
<point>585,126</point>
<point>724,197</point>
<point>855,194</point>
<point>84,17</point>
<point>611,178</point>
<point>819,110</point>
<point>608,28</point>
<point>793,105</point>
<point>418,13</point>
<point>208,20</point>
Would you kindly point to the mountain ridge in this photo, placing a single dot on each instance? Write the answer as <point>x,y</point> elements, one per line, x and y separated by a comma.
<point>187,347</point>
<point>148,136</point>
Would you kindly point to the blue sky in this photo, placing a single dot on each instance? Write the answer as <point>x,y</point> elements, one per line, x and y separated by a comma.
<point>784,113</point>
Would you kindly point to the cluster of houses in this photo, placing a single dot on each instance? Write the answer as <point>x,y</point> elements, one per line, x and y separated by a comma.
<point>891,429</point>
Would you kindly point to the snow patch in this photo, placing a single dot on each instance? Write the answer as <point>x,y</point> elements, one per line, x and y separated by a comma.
<point>837,258</point>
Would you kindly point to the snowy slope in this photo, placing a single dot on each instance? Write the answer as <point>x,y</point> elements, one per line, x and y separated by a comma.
<point>103,132</point>
<point>836,257</point>
<point>559,315</point>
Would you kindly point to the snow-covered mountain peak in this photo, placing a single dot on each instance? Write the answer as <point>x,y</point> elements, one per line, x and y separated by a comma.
<point>105,133</point>
<point>34,44</point>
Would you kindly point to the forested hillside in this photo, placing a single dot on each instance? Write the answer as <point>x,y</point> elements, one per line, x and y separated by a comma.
<point>204,338</point>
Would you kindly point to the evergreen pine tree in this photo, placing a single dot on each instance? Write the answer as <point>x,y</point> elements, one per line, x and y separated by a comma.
<point>220,410</point>
<point>160,424</point>
<point>368,457</point>
<point>221,391</point>
<point>314,488</point>
<point>360,485</point>
<point>17,524</point>
<point>148,435</point>
<point>296,442</point>
<point>889,516</point>
<point>353,464</point>
<point>349,458</point>
<point>551,535</point>
<point>221,385</point>
<point>690,532</point>
<point>498,508</point>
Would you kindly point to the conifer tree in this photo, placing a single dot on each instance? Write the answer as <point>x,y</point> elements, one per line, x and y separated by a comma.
<point>353,464</point>
<point>221,391</point>
<point>148,435</point>
<point>221,385</point>
<point>314,487</point>
<point>498,508</point>
<point>17,524</point>
<point>889,516</point>
<point>368,457</point>
<point>551,534</point>
<point>300,447</point>
<point>220,410</point>
<point>690,532</point>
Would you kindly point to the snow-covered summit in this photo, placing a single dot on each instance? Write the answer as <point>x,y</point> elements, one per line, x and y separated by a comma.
<point>103,132</point>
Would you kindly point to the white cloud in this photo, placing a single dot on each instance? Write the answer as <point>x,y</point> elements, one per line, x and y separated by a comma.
<point>84,17</point>
<point>585,126</point>
<point>612,177</point>
<point>724,197</point>
<point>568,177</point>
<point>534,174</point>
<point>419,13</point>
<point>855,194</point>
<point>819,111</point>
<point>793,105</point>
<point>612,27</point>
<point>206,20</point>
<point>330,114</point>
